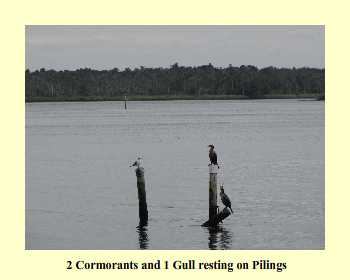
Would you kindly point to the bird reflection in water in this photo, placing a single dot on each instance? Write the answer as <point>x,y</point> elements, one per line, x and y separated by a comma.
<point>219,238</point>
<point>143,237</point>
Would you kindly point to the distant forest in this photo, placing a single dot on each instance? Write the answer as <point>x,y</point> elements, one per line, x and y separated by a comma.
<point>245,81</point>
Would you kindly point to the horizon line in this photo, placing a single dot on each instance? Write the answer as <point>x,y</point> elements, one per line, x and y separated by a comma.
<point>179,66</point>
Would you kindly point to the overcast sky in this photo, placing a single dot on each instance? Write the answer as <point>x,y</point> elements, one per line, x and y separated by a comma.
<point>107,47</point>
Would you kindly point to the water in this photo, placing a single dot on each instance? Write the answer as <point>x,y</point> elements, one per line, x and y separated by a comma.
<point>81,193</point>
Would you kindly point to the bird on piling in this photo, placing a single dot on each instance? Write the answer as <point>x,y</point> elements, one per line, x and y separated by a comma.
<point>225,199</point>
<point>137,163</point>
<point>213,156</point>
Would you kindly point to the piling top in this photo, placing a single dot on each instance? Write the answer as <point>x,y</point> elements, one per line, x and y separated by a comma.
<point>213,169</point>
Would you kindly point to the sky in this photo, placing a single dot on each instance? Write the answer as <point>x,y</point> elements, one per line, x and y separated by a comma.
<point>106,47</point>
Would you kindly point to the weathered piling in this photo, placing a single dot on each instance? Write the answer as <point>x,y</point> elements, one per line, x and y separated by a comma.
<point>214,217</point>
<point>213,205</point>
<point>141,191</point>
<point>125,98</point>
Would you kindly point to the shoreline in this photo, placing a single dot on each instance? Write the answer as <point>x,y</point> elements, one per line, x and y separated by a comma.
<point>319,97</point>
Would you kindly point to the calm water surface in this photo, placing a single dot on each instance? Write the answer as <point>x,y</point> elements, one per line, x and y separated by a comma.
<point>81,193</point>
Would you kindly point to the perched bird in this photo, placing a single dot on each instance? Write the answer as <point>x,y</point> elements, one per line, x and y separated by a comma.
<point>137,163</point>
<point>212,156</point>
<point>225,199</point>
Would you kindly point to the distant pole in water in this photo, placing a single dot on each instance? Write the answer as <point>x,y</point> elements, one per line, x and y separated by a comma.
<point>141,191</point>
<point>125,102</point>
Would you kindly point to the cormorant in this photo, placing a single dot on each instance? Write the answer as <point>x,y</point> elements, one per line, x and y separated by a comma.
<point>212,156</point>
<point>225,199</point>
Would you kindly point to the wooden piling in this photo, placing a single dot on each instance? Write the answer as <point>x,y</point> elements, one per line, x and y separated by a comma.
<point>215,217</point>
<point>213,205</point>
<point>141,191</point>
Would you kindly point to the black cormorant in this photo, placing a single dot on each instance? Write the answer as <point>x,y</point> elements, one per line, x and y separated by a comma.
<point>225,199</point>
<point>212,156</point>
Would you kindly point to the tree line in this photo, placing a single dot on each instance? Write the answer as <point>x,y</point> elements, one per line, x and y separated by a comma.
<point>247,81</point>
